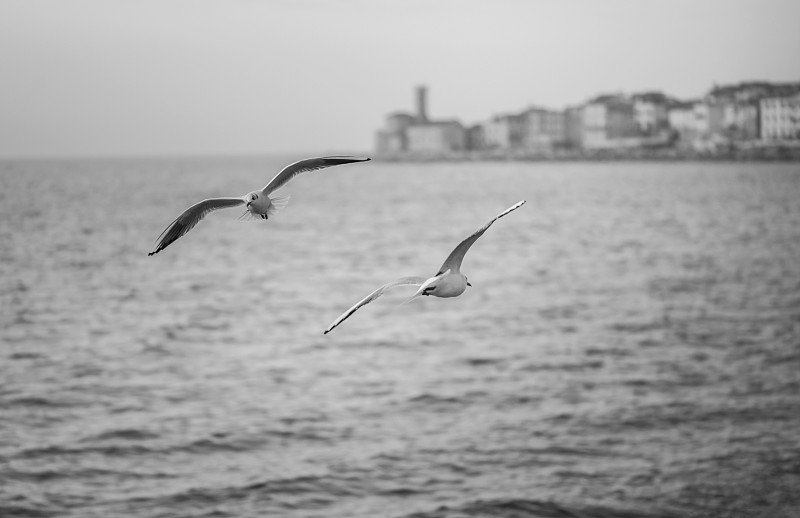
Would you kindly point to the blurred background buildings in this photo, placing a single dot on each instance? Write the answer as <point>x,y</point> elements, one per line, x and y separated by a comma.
<point>748,115</point>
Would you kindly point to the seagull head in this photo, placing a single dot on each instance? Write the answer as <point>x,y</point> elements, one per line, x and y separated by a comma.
<point>250,198</point>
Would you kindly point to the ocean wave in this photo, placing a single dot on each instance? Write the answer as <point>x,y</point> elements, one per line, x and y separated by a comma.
<point>436,400</point>
<point>636,327</point>
<point>58,451</point>
<point>22,511</point>
<point>521,508</point>
<point>561,451</point>
<point>483,362</point>
<point>40,402</point>
<point>25,356</point>
<point>643,351</point>
<point>129,434</point>
<point>51,475</point>
<point>568,367</point>
<point>270,496</point>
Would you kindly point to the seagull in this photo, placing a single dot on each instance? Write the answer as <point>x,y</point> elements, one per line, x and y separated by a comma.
<point>258,203</point>
<point>448,281</point>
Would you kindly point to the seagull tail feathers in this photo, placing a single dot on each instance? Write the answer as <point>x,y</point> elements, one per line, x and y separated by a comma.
<point>248,216</point>
<point>425,285</point>
<point>278,203</point>
<point>415,295</point>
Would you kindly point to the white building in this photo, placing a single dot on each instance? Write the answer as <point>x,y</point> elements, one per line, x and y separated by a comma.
<point>780,118</point>
<point>416,133</point>
<point>392,138</point>
<point>732,119</point>
<point>504,132</point>
<point>650,112</point>
<point>543,129</point>
<point>436,137</point>
<point>608,122</point>
<point>681,117</point>
<point>690,119</point>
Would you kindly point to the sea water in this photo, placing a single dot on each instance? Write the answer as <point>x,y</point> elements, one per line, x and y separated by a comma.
<point>630,345</point>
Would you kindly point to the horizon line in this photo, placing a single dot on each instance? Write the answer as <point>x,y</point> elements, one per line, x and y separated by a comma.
<point>171,155</point>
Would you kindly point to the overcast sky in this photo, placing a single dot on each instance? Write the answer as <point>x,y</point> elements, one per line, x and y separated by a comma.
<point>178,77</point>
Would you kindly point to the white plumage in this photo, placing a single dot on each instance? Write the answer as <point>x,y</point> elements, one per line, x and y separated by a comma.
<point>259,203</point>
<point>448,281</point>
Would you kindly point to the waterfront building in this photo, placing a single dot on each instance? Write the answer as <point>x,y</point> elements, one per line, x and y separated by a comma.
<point>542,129</point>
<point>436,137</point>
<point>392,138</point>
<point>691,122</point>
<point>733,120</point>
<point>702,119</point>
<point>410,133</point>
<point>735,111</point>
<point>680,116</point>
<point>609,122</point>
<point>729,117</point>
<point>504,132</point>
<point>750,91</point>
<point>573,127</point>
<point>780,118</point>
<point>476,139</point>
<point>422,104</point>
<point>741,120</point>
<point>650,112</point>
<point>689,119</point>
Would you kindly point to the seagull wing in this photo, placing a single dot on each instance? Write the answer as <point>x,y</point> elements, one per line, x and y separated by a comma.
<point>309,164</point>
<point>453,261</point>
<point>405,281</point>
<point>190,217</point>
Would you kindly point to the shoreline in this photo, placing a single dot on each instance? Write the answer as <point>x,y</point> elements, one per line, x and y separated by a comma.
<point>749,154</point>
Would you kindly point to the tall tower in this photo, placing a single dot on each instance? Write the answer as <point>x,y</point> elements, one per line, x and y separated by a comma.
<point>422,101</point>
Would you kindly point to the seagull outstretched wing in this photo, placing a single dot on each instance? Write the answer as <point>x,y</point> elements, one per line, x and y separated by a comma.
<point>309,164</point>
<point>190,217</point>
<point>453,261</point>
<point>405,281</point>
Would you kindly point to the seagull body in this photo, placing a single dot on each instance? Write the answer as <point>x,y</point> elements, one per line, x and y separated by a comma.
<point>448,281</point>
<point>259,204</point>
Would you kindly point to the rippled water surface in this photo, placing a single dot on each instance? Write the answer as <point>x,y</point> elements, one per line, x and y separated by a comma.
<point>630,345</point>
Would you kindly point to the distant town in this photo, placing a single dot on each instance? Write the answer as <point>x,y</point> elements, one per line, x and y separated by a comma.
<point>750,120</point>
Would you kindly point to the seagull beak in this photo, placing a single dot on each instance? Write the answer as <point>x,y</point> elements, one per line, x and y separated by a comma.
<point>468,284</point>
<point>248,204</point>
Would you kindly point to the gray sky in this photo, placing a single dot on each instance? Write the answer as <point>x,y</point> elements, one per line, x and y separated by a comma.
<point>145,77</point>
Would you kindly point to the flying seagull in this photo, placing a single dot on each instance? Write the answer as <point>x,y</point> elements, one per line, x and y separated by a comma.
<point>258,203</point>
<point>448,281</point>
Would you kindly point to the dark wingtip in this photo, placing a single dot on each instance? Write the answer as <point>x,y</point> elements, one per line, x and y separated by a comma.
<point>325,332</point>
<point>151,253</point>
